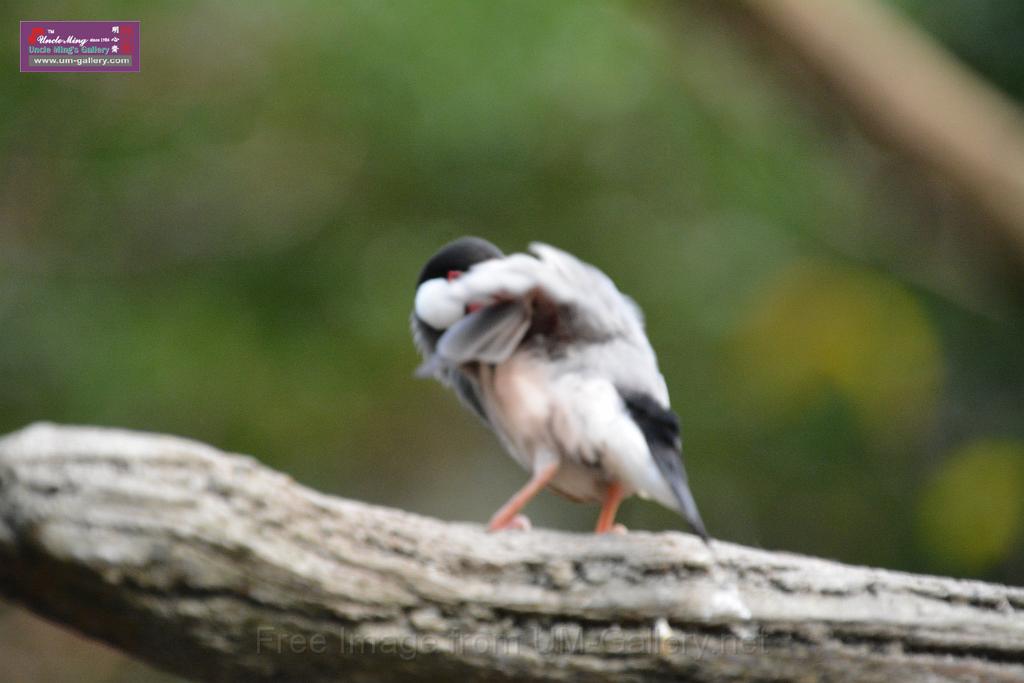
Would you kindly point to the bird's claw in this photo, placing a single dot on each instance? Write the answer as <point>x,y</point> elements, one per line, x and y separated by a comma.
<point>517,523</point>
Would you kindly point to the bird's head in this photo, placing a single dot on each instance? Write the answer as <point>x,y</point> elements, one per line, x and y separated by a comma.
<point>435,307</point>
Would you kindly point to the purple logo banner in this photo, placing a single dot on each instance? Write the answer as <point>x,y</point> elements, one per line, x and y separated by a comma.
<point>80,46</point>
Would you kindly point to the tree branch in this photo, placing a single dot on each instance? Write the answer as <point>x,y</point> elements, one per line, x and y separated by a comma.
<point>217,568</point>
<point>912,93</point>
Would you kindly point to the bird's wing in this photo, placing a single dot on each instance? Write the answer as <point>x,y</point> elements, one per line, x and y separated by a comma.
<point>589,305</point>
<point>489,335</point>
<point>562,297</point>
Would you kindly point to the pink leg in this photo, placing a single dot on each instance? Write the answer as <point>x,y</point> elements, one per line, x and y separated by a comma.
<point>508,513</point>
<point>612,498</point>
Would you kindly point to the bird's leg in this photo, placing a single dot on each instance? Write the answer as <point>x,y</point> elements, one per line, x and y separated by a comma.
<point>508,516</point>
<point>606,520</point>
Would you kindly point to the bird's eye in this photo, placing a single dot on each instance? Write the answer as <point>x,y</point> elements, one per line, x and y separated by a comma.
<point>453,274</point>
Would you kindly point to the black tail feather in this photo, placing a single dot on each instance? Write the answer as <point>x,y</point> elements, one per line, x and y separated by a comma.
<point>660,426</point>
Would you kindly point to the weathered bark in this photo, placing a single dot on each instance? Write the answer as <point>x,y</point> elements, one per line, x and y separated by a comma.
<point>215,567</point>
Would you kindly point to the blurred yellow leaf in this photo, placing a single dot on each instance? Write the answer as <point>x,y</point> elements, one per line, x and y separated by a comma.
<point>820,328</point>
<point>971,511</point>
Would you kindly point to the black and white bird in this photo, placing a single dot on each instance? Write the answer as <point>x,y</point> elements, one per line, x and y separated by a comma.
<point>554,359</point>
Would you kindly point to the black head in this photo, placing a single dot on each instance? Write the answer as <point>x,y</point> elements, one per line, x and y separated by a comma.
<point>458,256</point>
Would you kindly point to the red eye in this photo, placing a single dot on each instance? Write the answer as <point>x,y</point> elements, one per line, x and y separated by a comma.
<point>453,274</point>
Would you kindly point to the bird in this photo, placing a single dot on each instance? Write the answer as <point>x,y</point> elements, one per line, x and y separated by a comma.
<point>555,360</point>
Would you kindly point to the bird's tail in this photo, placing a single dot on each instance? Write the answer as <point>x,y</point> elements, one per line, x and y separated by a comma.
<point>688,507</point>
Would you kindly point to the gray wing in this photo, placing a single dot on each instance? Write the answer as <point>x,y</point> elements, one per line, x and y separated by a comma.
<point>489,335</point>
<point>605,327</point>
<point>590,304</point>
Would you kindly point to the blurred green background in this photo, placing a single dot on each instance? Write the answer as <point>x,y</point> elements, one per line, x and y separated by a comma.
<point>225,247</point>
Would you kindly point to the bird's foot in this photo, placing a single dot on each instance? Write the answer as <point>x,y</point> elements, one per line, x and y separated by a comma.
<point>516,523</point>
<point>617,529</point>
